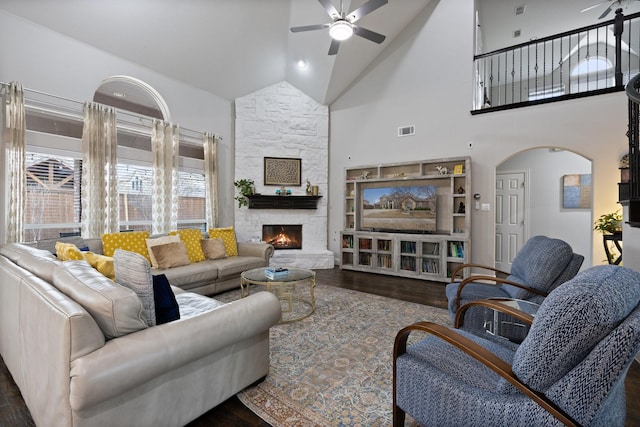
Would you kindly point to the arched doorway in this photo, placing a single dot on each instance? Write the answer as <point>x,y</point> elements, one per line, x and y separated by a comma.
<point>538,207</point>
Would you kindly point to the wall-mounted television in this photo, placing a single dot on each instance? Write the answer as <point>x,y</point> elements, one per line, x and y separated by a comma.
<point>401,207</point>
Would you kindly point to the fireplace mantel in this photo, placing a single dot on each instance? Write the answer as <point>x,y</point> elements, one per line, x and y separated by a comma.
<point>260,201</point>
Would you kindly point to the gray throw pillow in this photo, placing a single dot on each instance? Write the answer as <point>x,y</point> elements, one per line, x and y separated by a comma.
<point>134,271</point>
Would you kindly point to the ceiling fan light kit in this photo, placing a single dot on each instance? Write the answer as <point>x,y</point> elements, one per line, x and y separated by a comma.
<point>342,27</point>
<point>341,30</point>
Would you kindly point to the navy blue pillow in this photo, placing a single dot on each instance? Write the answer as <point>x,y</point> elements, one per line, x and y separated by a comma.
<point>167,308</point>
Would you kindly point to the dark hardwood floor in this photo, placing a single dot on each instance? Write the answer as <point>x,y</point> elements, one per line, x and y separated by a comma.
<point>232,413</point>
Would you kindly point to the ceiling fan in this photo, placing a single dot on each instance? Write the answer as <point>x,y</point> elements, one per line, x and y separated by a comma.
<point>343,25</point>
<point>614,4</point>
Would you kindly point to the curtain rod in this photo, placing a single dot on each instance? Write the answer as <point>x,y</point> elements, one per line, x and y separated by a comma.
<point>120,111</point>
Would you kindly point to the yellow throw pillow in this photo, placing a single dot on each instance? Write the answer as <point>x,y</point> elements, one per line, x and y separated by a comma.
<point>102,263</point>
<point>191,238</point>
<point>68,252</point>
<point>213,248</point>
<point>159,241</point>
<point>133,241</point>
<point>228,235</point>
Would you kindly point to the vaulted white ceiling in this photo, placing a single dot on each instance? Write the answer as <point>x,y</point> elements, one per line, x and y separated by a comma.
<point>227,47</point>
<point>234,47</point>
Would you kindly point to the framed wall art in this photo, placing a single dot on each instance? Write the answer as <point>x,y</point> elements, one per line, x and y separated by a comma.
<point>576,191</point>
<point>282,171</point>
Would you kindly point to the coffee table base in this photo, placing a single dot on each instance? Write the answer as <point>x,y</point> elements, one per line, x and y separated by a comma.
<point>295,306</point>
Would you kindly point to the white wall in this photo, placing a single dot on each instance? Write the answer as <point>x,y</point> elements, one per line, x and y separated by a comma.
<point>545,213</point>
<point>46,61</point>
<point>425,78</point>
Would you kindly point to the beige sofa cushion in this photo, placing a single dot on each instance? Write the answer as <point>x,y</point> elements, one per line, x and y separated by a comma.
<point>117,310</point>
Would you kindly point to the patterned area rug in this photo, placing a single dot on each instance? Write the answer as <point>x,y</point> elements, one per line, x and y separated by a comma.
<point>334,368</point>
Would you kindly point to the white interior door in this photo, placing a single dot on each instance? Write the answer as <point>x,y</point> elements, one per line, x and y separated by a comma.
<point>510,217</point>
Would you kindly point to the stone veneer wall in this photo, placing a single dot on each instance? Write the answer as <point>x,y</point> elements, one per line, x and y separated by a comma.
<point>281,121</point>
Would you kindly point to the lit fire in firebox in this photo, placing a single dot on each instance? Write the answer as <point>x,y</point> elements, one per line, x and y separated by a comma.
<point>283,240</point>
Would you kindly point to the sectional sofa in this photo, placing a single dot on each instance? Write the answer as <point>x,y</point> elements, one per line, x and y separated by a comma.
<point>206,277</point>
<point>81,353</point>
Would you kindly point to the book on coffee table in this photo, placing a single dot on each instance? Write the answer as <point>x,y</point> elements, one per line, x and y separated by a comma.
<point>276,273</point>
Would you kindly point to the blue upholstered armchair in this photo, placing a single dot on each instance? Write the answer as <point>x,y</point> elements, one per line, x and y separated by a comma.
<point>570,368</point>
<point>540,266</point>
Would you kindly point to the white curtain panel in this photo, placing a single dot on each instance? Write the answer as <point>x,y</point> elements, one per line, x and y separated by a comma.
<point>100,211</point>
<point>210,179</point>
<point>16,163</point>
<point>165,140</point>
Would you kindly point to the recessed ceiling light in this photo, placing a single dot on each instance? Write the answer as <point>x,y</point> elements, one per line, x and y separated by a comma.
<point>302,64</point>
<point>119,94</point>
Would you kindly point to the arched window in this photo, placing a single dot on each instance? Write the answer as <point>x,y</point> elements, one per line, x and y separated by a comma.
<point>592,73</point>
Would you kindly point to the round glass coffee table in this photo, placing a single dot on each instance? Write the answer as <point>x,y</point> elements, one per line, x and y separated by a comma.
<point>295,290</point>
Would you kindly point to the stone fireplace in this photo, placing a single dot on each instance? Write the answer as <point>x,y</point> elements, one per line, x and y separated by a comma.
<point>282,121</point>
<point>283,236</point>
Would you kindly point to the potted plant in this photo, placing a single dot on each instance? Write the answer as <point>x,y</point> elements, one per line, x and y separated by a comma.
<point>610,223</point>
<point>245,188</point>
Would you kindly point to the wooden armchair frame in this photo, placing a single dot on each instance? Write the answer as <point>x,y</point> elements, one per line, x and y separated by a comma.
<point>499,279</point>
<point>476,351</point>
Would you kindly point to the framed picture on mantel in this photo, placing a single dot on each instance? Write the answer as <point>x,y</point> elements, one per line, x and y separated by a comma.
<point>282,171</point>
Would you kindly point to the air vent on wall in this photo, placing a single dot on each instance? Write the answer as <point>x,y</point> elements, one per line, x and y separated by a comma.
<point>520,10</point>
<point>516,34</point>
<point>406,130</point>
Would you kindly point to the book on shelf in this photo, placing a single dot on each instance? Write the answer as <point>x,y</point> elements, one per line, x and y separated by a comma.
<point>276,273</point>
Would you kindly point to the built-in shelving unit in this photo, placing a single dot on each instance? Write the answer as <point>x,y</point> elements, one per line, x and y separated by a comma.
<point>429,255</point>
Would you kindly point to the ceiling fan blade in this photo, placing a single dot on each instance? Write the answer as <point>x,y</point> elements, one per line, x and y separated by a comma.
<point>365,9</point>
<point>330,8</point>
<point>368,34</point>
<point>606,12</point>
<point>309,28</point>
<point>594,6</point>
<point>333,49</point>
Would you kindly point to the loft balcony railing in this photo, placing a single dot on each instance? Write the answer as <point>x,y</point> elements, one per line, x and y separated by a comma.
<point>588,61</point>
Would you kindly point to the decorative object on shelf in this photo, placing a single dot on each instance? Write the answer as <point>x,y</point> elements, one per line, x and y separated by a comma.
<point>282,171</point>
<point>308,189</point>
<point>624,161</point>
<point>288,192</point>
<point>460,190</point>
<point>314,190</point>
<point>443,170</point>
<point>624,168</point>
<point>610,225</point>
<point>246,188</point>
<point>461,208</point>
<point>278,191</point>
<point>458,169</point>
<point>576,192</point>
<point>364,175</point>
<point>399,175</point>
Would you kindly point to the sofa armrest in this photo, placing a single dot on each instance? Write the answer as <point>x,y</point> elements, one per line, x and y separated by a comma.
<point>129,361</point>
<point>256,249</point>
